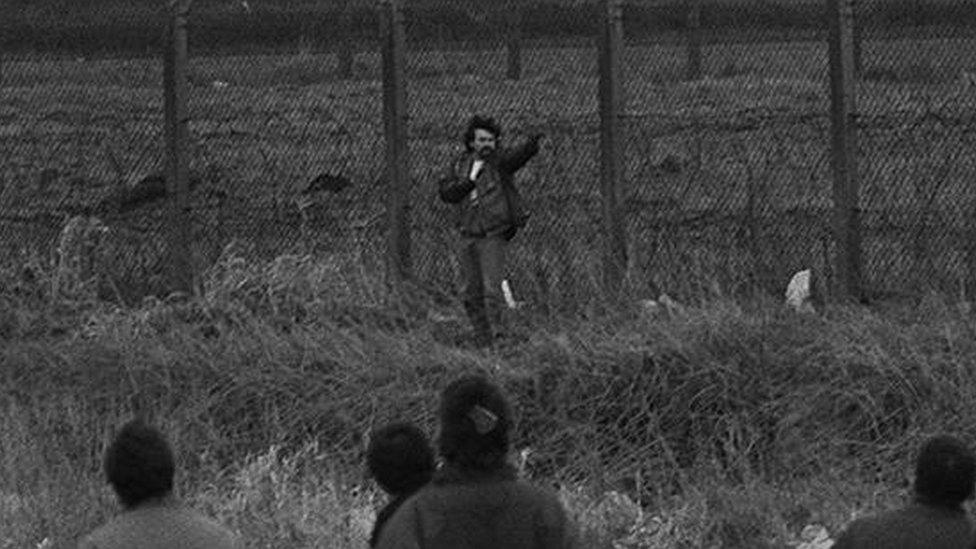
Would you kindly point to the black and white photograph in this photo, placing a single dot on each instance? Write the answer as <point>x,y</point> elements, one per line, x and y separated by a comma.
<point>487,274</point>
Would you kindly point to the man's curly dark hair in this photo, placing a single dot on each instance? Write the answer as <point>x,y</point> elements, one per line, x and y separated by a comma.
<point>478,122</point>
<point>400,458</point>
<point>464,439</point>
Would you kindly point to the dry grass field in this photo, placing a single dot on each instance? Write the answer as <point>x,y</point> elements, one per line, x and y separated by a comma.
<point>722,425</point>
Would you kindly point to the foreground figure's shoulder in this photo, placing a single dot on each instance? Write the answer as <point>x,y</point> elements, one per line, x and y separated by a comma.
<point>542,494</point>
<point>401,529</point>
<point>556,528</point>
<point>914,526</point>
<point>220,535</point>
<point>180,527</point>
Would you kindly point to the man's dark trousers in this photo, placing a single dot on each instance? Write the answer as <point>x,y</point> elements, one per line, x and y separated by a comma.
<point>482,262</point>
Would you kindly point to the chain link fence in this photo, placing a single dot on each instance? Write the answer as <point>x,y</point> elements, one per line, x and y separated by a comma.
<point>717,163</point>
<point>916,130</point>
<point>727,183</point>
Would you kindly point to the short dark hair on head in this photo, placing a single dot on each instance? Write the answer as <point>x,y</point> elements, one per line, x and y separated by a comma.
<point>139,464</point>
<point>400,458</point>
<point>460,441</point>
<point>945,471</point>
<point>478,122</point>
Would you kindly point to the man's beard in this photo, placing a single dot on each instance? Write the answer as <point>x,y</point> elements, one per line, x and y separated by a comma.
<point>485,152</point>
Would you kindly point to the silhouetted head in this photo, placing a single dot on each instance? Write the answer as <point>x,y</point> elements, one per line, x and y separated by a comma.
<point>482,136</point>
<point>475,420</point>
<point>400,458</point>
<point>139,464</point>
<point>945,472</point>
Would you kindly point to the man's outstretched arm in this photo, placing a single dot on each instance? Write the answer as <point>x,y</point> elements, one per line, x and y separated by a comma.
<point>513,159</point>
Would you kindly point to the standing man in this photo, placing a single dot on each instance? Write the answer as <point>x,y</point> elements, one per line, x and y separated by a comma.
<point>490,212</point>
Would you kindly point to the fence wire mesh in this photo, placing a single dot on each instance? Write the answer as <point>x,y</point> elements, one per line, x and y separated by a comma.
<point>727,151</point>
<point>728,168</point>
<point>915,121</point>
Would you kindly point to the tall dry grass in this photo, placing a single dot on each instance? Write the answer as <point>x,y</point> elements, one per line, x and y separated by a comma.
<point>730,424</point>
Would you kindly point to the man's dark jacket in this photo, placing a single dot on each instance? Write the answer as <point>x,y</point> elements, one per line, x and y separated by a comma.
<point>384,515</point>
<point>496,208</point>
<point>917,526</point>
<point>496,510</point>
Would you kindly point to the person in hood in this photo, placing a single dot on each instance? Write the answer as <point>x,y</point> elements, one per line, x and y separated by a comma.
<point>476,500</point>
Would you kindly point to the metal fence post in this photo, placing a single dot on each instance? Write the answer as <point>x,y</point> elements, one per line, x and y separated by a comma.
<point>393,46</point>
<point>969,251</point>
<point>346,51</point>
<point>514,27</point>
<point>611,143</point>
<point>857,21</point>
<point>694,68</point>
<point>177,137</point>
<point>847,229</point>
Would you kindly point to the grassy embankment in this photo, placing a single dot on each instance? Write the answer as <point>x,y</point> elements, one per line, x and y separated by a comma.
<point>735,424</point>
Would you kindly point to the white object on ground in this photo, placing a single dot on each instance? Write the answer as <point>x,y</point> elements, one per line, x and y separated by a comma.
<point>815,536</point>
<point>798,292</point>
<point>669,304</point>
<point>650,306</point>
<point>509,298</point>
<point>663,302</point>
<point>523,461</point>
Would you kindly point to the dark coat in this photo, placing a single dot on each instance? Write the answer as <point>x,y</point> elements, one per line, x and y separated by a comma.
<point>384,515</point>
<point>917,526</point>
<point>490,511</point>
<point>161,526</point>
<point>497,207</point>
